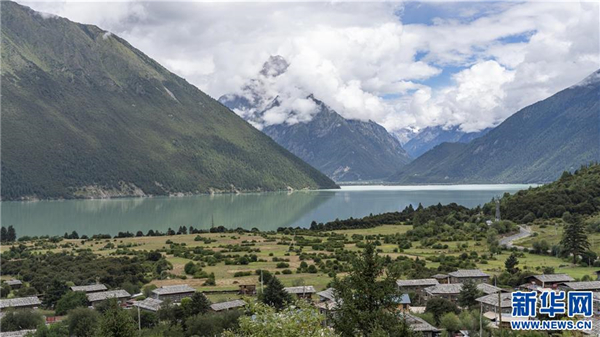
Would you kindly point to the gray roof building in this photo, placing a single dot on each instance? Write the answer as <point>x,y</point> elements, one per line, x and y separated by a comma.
<point>90,288</point>
<point>327,294</point>
<point>104,295</point>
<point>227,305</point>
<point>20,302</point>
<point>587,285</point>
<point>492,300</point>
<point>444,289</point>
<point>149,303</point>
<point>300,290</point>
<point>418,324</point>
<point>468,273</point>
<point>172,290</point>
<point>488,288</point>
<point>14,282</point>
<point>553,278</point>
<point>425,282</point>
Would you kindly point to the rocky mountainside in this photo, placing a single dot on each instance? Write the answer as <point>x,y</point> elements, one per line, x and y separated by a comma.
<point>85,114</point>
<point>343,149</point>
<point>430,137</point>
<point>535,144</point>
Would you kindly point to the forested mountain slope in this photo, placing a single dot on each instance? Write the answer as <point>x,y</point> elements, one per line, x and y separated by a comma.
<point>85,114</point>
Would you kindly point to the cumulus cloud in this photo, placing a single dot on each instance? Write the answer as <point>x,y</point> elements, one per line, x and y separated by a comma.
<point>471,69</point>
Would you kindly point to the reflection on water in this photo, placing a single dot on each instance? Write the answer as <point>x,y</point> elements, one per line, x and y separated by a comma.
<point>265,211</point>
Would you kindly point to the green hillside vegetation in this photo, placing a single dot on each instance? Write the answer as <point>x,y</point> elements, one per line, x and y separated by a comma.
<point>535,144</point>
<point>85,114</point>
<point>577,193</point>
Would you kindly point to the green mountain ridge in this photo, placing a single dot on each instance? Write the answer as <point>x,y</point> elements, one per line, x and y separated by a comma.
<point>85,114</point>
<point>535,145</point>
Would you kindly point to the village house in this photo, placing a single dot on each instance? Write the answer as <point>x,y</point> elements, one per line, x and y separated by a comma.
<point>403,302</point>
<point>581,286</point>
<point>14,284</point>
<point>419,325</point>
<point>326,295</point>
<point>466,275</point>
<point>20,302</point>
<point>247,289</point>
<point>489,303</point>
<point>97,297</point>
<point>302,292</point>
<point>92,288</point>
<point>442,278</point>
<point>226,306</point>
<point>451,291</point>
<point>416,286</point>
<point>549,280</point>
<point>173,293</point>
<point>149,304</point>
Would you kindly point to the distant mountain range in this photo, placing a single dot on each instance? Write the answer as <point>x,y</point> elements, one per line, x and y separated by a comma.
<point>430,137</point>
<point>84,114</point>
<point>535,144</point>
<point>343,149</point>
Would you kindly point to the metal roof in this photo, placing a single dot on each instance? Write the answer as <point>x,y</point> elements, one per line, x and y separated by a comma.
<point>468,273</point>
<point>300,290</point>
<point>103,295</point>
<point>19,302</point>
<point>149,303</point>
<point>417,282</point>
<point>227,305</point>
<point>589,285</point>
<point>402,299</point>
<point>177,289</point>
<point>554,278</point>
<point>89,288</point>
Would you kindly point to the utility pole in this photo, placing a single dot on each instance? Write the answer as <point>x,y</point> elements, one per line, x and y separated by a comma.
<point>139,320</point>
<point>262,282</point>
<point>480,319</point>
<point>500,312</point>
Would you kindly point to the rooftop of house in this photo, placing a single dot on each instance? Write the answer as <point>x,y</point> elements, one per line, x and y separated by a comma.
<point>586,285</point>
<point>19,302</point>
<point>149,303</point>
<point>463,273</point>
<point>418,324</point>
<point>553,278</point>
<point>227,305</point>
<point>176,289</point>
<point>300,290</point>
<point>492,316</point>
<point>402,299</point>
<point>90,288</point>
<point>452,288</point>
<point>18,333</point>
<point>103,295</point>
<point>14,282</point>
<point>417,282</point>
<point>492,299</point>
<point>488,288</point>
<point>327,293</point>
<point>440,276</point>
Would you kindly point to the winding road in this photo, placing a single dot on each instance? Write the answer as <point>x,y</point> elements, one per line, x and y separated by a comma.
<point>524,231</point>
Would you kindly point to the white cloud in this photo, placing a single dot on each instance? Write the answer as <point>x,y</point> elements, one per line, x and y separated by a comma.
<point>351,55</point>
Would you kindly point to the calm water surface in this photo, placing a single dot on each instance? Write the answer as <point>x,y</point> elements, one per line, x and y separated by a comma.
<point>266,211</point>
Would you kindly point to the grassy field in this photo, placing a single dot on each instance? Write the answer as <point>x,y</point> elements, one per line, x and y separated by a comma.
<point>269,249</point>
<point>552,234</point>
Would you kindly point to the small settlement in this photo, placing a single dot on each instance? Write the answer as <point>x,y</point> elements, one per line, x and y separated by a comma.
<point>495,304</point>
